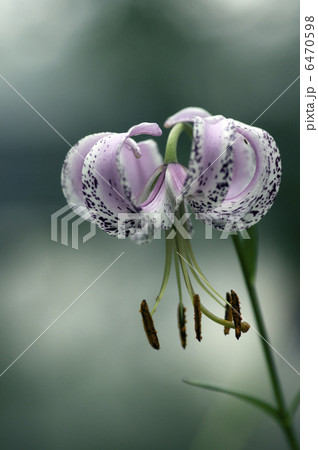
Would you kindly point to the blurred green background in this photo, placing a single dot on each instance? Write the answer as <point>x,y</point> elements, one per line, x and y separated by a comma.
<point>92,381</point>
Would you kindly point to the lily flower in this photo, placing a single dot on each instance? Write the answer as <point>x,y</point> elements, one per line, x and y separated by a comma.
<point>127,189</point>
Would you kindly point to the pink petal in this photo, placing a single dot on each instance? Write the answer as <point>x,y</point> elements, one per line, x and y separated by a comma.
<point>113,177</point>
<point>211,163</point>
<point>137,171</point>
<point>256,187</point>
<point>71,176</point>
<point>149,128</point>
<point>103,194</point>
<point>186,115</point>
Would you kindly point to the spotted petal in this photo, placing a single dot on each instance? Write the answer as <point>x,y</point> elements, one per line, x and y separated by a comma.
<point>256,179</point>
<point>105,193</point>
<point>211,159</point>
<point>71,176</point>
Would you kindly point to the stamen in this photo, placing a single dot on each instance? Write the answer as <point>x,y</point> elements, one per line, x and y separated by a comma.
<point>228,312</point>
<point>196,275</point>
<point>237,318</point>
<point>149,325</point>
<point>181,249</point>
<point>245,326</point>
<point>197,316</point>
<point>166,273</point>
<point>200,273</point>
<point>182,328</point>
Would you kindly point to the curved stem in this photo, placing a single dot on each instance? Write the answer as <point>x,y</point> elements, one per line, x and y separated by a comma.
<point>272,371</point>
<point>294,405</point>
<point>171,147</point>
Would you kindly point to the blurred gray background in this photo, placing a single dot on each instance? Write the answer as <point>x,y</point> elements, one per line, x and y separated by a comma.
<point>92,381</point>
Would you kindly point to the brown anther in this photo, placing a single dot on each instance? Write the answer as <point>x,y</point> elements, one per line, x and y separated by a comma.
<point>237,318</point>
<point>245,327</point>
<point>197,316</point>
<point>149,325</point>
<point>228,312</point>
<point>182,328</point>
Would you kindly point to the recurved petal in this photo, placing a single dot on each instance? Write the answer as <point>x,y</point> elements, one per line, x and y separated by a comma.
<point>149,128</point>
<point>136,172</point>
<point>113,177</point>
<point>149,161</point>
<point>102,190</point>
<point>186,115</point>
<point>256,180</point>
<point>71,176</point>
<point>211,163</point>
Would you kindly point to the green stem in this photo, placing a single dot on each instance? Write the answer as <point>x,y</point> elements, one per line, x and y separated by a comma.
<point>272,371</point>
<point>171,147</point>
<point>294,405</point>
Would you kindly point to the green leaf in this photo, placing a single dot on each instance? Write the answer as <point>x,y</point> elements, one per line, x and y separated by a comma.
<point>266,407</point>
<point>247,250</point>
<point>294,404</point>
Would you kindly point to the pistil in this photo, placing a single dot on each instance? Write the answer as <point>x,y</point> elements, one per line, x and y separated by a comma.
<point>166,272</point>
